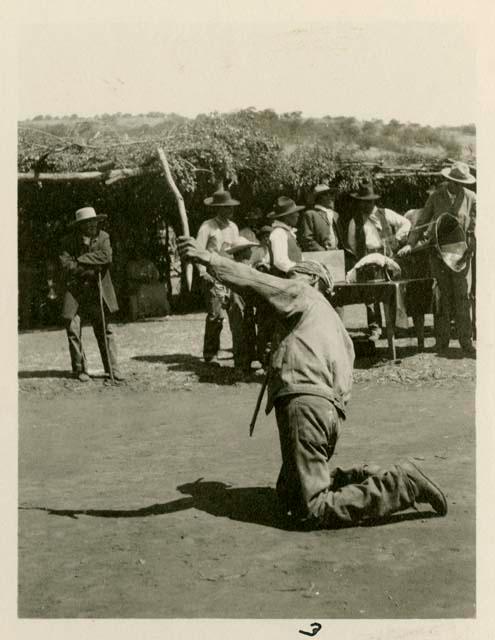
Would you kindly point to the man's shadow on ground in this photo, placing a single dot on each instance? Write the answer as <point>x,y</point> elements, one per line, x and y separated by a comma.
<point>53,373</point>
<point>256,505</point>
<point>205,372</point>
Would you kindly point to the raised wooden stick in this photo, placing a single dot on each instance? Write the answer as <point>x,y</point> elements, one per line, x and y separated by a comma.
<point>181,206</point>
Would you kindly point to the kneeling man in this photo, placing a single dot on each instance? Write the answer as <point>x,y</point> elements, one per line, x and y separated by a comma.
<point>310,386</point>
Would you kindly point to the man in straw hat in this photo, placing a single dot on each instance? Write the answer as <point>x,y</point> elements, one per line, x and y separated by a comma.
<point>216,234</point>
<point>86,256</point>
<point>451,287</point>
<point>285,251</point>
<point>374,230</point>
<point>242,314</point>
<point>319,228</point>
<point>310,386</point>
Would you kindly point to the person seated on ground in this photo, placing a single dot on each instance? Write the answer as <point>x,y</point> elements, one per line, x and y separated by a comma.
<point>242,315</point>
<point>309,385</point>
<point>451,197</point>
<point>319,228</point>
<point>284,249</point>
<point>374,230</point>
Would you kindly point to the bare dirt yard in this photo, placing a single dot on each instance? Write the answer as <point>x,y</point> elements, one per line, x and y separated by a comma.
<point>114,523</point>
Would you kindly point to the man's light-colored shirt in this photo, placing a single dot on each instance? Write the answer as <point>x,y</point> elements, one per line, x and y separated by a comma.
<point>280,249</point>
<point>373,228</point>
<point>312,352</point>
<point>216,235</point>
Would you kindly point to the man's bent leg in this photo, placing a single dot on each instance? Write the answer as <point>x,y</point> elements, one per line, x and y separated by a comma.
<point>308,427</point>
<point>378,496</point>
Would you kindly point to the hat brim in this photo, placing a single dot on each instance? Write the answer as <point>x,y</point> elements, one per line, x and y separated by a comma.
<point>249,245</point>
<point>230,203</point>
<point>445,173</point>
<point>99,216</point>
<point>274,214</point>
<point>373,196</point>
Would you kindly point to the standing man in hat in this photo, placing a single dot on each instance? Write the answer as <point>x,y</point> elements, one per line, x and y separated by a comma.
<point>319,228</point>
<point>450,197</point>
<point>216,235</point>
<point>86,256</point>
<point>310,386</point>
<point>285,251</point>
<point>374,230</point>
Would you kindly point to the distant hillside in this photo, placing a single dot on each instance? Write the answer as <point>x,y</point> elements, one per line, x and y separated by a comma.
<point>370,139</point>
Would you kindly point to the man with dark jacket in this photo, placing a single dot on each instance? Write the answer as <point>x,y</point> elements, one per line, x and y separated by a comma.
<point>309,386</point>
<point>320,228</point>
<point>86,256</point>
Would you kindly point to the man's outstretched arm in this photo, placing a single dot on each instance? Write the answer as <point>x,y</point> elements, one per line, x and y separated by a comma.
<point>286,297</point>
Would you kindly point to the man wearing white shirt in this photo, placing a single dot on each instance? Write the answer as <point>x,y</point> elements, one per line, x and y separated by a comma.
<point>285,251</point>
<point>375,230</point>
<point>216,235</point>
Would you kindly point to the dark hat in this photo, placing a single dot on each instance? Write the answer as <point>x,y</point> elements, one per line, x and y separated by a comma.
<point>365,192</point>
<point>284,207</point>
<point>221,199</point>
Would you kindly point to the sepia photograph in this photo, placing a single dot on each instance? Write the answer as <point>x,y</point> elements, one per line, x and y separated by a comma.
<point>246,313</point>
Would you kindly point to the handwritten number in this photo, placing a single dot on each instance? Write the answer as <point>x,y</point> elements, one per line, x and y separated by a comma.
<point>316,626</point>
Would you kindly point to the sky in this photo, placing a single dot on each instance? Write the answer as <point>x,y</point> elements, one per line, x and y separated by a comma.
<point>415,72</point>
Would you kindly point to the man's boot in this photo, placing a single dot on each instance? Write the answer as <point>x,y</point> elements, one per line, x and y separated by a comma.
<point>425,491</point>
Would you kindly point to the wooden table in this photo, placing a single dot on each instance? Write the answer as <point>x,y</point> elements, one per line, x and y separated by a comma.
<point>417,292</point>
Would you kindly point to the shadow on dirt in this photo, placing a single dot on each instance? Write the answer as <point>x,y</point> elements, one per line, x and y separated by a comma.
<point>185,362</point>
<point>55,373</point>
<point>46,373</point>
<point>257,505</point>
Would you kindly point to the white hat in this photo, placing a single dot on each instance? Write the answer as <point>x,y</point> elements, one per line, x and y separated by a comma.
<point>86,213</point>
<point>241,244</point>
<point>459,172</point>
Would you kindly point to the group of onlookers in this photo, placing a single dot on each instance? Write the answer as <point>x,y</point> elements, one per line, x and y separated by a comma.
<point>274,243</point>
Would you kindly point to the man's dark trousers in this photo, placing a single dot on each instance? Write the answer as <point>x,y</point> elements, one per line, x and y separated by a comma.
<point>91,313</point>
<point>309,428</point>
<point>451,289</point>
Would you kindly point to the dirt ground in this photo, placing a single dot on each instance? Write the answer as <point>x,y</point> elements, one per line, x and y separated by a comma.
<point>113,523</point>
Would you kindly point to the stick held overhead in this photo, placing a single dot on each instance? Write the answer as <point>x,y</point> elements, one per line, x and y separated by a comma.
<point>181,206</point>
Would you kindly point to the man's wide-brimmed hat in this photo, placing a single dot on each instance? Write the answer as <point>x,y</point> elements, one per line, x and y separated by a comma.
<point>241,244</point>
<point>284,207</point>
<point>365,192</point>
<point>86,213</point>
<point>221,199</point>
<point>459,172</point>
